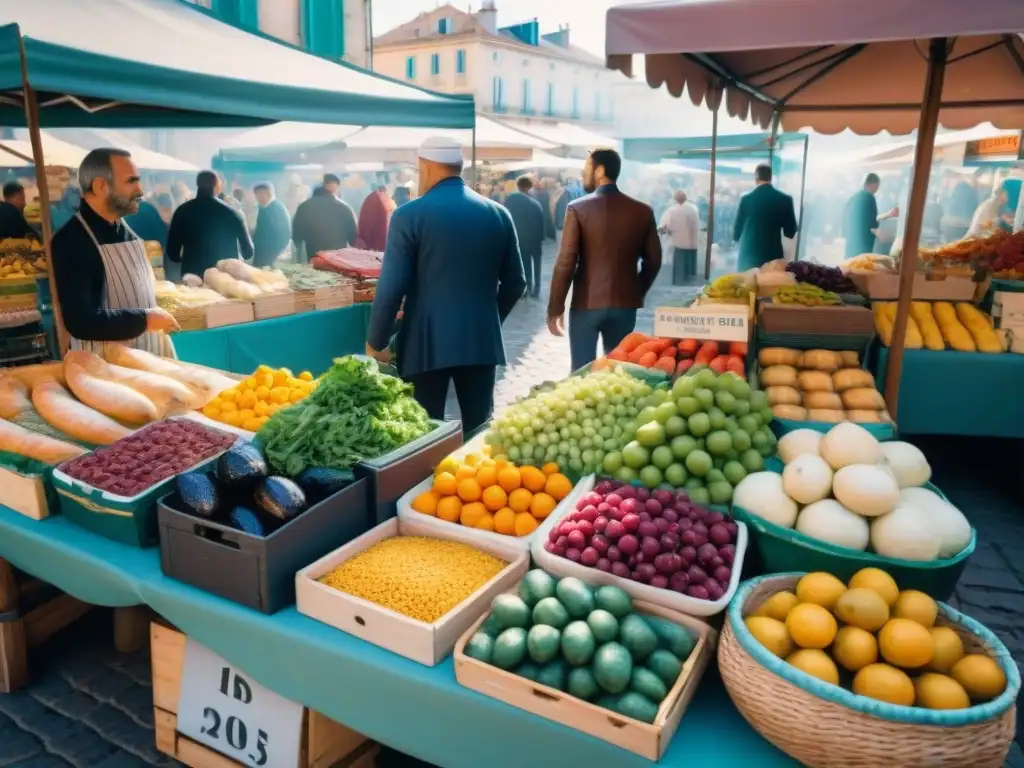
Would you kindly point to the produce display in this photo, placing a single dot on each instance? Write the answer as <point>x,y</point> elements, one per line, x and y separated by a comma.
<point>730,287</point>
<point>354,262</point>
<point>656,537</point>
<point>21,257</point>
<point>887,639</point>
<point>675,357</point>
<point>302,277</point>
<point>772,276</point>
<point>829,279</point>
<point>146,458</point>
<point>819,385</point>
<point>175,298</point>
<point>1000,251</point>
<point>355,412</point>
<point>242,493</point>
<point>493,495</point>
<point>419,577</point>
<point>251,402</point>
<point>202,382</point>
<point>234,279</point>
<point>24,442</point>
<point>848,489</point>
<point>869,262</point>
<point>936,325</point>
<point>703,433</point>
<point>574,423</point>
<point>806,295</point>
<point>587,642</point>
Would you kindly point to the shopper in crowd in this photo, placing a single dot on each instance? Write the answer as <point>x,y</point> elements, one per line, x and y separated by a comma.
<point>861,218</point>
<point>374,217</point>
<point>605,234</point>
<point>205,230</point>
<point>681,223</point>
<point>403,194</point>
<point>324,222</point>
<point>273,227</point>
<point>542,193</point>
<point>763,218</point>
<point>297,193</point>
<point>528,216</point>
<point>991,216</point>
<point>453,258</point>
<point>12,213</point>
<point>102,273</point>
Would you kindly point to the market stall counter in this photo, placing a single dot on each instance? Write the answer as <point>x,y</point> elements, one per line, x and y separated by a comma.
<point>957,393</point>
<point>304,342</point>
<point>419,710</point>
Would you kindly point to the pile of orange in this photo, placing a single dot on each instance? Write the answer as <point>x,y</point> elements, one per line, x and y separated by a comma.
<point>493,495</point>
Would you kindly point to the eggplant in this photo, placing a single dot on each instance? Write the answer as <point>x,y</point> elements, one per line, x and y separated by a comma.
<point>317,483</point>
<point>199,494</point>
<point>279,498</point>
<point>247,521</point>
<point>241,468</point>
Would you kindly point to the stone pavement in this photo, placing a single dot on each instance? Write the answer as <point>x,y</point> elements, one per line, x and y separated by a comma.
<point>90,707</point>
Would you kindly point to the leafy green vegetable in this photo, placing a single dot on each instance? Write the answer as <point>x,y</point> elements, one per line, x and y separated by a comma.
<point>302,277</point>
<point>356,412</point>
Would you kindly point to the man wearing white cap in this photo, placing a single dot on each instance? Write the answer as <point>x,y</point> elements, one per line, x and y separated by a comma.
<point>452,255</point>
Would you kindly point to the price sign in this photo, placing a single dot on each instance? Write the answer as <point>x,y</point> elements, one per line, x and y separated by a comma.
<point>223,708</point>
<point>704,323</point>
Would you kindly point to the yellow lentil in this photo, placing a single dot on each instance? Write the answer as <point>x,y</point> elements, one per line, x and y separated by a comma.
<point>417,576</point>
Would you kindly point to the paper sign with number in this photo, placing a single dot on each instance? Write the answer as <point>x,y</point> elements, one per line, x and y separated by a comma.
<point>706,324</point>
<point>222,707</point>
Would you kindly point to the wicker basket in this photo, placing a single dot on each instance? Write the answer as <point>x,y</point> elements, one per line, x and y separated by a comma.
<point>821,724</point>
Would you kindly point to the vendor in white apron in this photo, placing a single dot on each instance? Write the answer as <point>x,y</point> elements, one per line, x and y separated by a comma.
<point>104,279</point>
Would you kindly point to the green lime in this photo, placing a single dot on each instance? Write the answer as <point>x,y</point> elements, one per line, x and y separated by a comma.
<point>665,411</point>
<point>699,463</point>
<point>717,417</point>
<point>675,475</point>
<point>687,406</point>
<point>751,460</point>
<point>662,457</point>
<point>700,496</point>
<point>719,442</point>
<point>706,398</point>
<point>627,474</point>
<point>612,462</point>
<point>740,440</point>
<point>720,492</point>
<point>682,445</point>
<point>734,472</point>
<point>699,424</point>
<point>675,426</point>
<point>725,400</point>
<point>651,476</point>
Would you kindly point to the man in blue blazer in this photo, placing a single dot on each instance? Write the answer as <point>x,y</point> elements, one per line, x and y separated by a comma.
<point>764,216</point>
<point>453,257</point>
<point>528,216</point>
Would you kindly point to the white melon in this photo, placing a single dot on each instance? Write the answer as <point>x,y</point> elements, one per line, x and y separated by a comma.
<point>762,494</point>
<point>797,443</point>
<point>866,489</point>
<point>807,479</point>
<point>907,463</point>
<point>848,443</point>
<point>906,533</point>
<point>828,520</point>
<point>953,527</point>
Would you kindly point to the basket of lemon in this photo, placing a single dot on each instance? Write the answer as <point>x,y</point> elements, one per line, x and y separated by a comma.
<point>861,675</point>
<point>250,403</point>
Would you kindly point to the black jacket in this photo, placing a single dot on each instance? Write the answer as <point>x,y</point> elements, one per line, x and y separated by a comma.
<point>13,223</point>
<point>528,216</point>
<point>323,223</point>
<point>204,231</point>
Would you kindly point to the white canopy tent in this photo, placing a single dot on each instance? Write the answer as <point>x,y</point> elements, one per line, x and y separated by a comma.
<point>17,153</point>
<point>545,160</point>
<point>567,135</point>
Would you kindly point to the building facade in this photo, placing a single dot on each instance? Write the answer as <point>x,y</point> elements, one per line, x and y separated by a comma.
<point>514,72</point>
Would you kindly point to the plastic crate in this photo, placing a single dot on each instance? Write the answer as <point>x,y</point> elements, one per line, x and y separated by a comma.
<point>257,571</point>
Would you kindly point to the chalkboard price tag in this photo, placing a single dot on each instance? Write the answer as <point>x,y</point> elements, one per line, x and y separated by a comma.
<point>223,708</point>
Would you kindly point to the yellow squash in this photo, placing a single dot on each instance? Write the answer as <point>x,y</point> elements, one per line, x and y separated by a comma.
<point>953,331</point>
<point>922,314</point>
<point>911,340</point>
<point>981,331</point>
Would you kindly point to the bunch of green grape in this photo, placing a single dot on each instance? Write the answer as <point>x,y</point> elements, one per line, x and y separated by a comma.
<point>575,424</point>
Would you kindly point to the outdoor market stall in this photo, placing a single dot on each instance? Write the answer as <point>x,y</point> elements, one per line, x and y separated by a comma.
<point>822,74</point>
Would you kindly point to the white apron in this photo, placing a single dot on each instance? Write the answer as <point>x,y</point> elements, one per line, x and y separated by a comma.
<point>130,284</point>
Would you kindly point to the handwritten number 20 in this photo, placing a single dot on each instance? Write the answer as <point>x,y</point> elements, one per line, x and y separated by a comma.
<point>212,730</point>
<point>236,734</point>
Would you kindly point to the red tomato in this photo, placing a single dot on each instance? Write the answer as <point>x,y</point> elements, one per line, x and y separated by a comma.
<point>688,347</point>
<point>735,364</point>
<point>719,363</point>
<point>684,366</point>
<point>738,348</point>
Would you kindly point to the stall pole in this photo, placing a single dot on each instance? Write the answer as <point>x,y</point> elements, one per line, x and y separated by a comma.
<point>710,240</point>
<point>473,155</point>
<point>923,150</point>
<point>32,122</point>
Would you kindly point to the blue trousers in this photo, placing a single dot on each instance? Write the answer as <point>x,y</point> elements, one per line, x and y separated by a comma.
<point>585,325</point>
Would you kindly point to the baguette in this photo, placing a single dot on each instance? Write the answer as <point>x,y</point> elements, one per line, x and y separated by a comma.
<point>14,398</point>
<point>61,411</point>
<point>206,385</point>
<point>167,394</point>
<point>108,397</point>
<point>24,442</point>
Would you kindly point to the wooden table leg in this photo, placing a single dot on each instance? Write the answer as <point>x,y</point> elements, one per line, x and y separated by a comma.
<point>131,628</point>
<point>13,653</point>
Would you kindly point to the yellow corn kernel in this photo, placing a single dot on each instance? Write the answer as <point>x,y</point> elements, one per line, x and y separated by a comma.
<point>419,577</point>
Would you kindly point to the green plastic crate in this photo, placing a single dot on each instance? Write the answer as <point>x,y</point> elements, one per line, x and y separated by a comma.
<point>781,427</point>
<point>785,549</point>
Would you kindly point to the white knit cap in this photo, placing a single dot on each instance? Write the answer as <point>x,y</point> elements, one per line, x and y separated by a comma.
<point>441,149</point>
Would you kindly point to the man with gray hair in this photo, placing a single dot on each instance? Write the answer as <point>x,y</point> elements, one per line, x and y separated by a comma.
<point>100,267</point>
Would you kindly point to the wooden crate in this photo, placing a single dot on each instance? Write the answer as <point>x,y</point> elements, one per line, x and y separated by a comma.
<point>326,297</point>
<point>884,286</point>
<point>823,320</point>
<point>25,494</point>
<point>426,643</point>
<point>325,743</point>
<point>647,739</point>
<point>274,305</point>
<point>231,312</point>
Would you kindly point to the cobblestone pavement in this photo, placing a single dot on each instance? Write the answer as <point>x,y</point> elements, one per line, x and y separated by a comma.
<point>90,707</point>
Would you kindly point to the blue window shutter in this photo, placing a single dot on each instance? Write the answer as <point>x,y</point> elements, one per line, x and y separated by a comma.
<point>551,98</point>
<point>323,27</point>
<point>435,64</point>
<point>410,67</point>
<point>460,62</point>
<point>239,13</point>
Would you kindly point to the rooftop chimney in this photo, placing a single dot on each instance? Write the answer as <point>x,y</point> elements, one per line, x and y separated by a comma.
<point>488,16</point>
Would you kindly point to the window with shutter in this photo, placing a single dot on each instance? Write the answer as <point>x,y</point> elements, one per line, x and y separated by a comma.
<point>323,27</point>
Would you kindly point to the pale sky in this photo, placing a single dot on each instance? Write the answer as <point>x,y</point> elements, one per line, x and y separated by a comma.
<point>584,17</point>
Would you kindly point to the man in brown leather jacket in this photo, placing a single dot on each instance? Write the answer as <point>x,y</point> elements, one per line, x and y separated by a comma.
<point>610,254</point>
